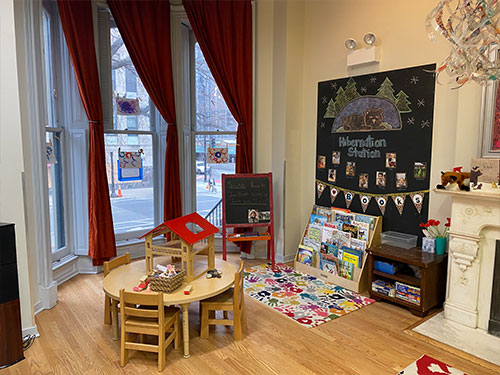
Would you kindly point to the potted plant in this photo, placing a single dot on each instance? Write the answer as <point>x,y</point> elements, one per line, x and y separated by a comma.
<point>431,230</point>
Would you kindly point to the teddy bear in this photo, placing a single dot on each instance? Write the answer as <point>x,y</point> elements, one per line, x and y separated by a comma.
<point>455,180</point>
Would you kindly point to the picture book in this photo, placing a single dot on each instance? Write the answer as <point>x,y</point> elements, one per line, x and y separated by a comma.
<point>370,220</point>
<point>329,264</point>
<point>350,228</point>
<point>363,230</point>
<point>314,232</point>
<point>358,244</point>
<point>327,234</point>
<point>324,211</point>
<point>315,245</point>
<point>305,255</point>
<point>346,269</point>
<point>353,256</point>
<point>317,219</point>
<point>344,217</point>
<point>341,239</point>
<point>336,225</point>
<point>329,249</point>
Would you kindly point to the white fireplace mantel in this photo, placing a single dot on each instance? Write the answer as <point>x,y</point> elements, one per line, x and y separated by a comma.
<point>475,225</point>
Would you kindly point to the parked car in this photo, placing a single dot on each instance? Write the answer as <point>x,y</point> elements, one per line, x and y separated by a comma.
<point>200,167</point>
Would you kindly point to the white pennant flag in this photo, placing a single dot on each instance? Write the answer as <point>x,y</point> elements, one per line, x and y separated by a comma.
<point>348,198</point>
<point>320,188</point>
<point>333,194</point>
<point>365,201</point>
<point>382,203</point>
<point>399,201</point>
<point>418,201</point>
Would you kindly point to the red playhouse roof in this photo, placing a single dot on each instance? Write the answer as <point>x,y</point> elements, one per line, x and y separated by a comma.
<point>178,226</point>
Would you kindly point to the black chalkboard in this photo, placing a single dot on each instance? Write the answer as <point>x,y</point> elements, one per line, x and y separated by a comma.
<point>377,125</point>
<point>246,199</point>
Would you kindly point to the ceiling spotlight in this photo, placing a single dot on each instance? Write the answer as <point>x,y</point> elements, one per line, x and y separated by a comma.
<point>369,38</point>
<point>350,44</point>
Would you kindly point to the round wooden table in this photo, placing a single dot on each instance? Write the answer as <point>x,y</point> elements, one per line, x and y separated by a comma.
<point>127,277</point>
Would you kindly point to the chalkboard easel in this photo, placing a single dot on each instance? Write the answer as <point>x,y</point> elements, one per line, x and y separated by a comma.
<point>247,202</point>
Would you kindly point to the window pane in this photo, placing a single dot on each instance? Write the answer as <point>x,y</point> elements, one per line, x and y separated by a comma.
<point>56,198</point>
<point>208,176</point>
<point>49,84</point>
<point>132,202</point>
<point>126,84</point>
<point>211,109</point>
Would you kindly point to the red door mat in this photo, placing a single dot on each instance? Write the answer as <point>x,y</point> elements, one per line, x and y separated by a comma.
<point>426,365</point>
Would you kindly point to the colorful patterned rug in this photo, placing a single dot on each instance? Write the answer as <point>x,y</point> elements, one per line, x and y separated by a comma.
<point>426,365</point>
<point>306,299</point>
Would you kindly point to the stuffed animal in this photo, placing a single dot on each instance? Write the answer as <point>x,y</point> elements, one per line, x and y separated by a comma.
<point>455,180</point>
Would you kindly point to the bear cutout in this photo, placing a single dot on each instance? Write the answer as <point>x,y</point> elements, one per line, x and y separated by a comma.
<point>372,119</point>
<point>353,122</point>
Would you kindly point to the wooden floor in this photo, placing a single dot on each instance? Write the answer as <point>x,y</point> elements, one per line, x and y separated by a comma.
<point>370,341</point>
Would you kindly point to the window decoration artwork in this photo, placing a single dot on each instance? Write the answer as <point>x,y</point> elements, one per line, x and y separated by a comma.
<point>127,107</point>
<point>51,156</point>
<point>130,165</point>
<point>472,28</point>
<point>217,155</point>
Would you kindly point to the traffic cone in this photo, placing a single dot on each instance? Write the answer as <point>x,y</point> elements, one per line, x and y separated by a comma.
<point>120,191</point>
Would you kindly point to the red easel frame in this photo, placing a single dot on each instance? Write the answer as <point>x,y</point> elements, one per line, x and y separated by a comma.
<point>269,225</point>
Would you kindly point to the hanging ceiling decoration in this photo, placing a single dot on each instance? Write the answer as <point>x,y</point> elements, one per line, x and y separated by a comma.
<point>472,27</point>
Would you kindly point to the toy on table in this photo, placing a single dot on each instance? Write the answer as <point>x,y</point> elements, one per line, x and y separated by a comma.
<point>214,274</point>
<point>143,285</point>
<point>188,289</point>
<point>181,242</point>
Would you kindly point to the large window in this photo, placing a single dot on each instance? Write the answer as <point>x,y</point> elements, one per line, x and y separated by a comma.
<point>215,128</point>
<point>54,137</point>
<point>132,200</point>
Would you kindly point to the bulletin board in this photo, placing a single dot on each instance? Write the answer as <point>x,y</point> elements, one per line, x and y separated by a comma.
<point>374,141</point>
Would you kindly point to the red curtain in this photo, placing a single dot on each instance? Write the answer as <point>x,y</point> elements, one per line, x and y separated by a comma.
<point>145,28</point>
<point>223,28</point>
<point>76,20</point>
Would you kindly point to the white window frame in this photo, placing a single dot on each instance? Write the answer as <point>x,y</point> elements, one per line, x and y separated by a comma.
<point>57,127</point>
<point>105,72</point>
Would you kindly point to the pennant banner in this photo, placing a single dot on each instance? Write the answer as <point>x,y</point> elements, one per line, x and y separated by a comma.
<point>418,200</point>
<point>333,194</point>
<point>382,202</point>
<point>320,188</point>
<point>365,200</point>
<point>348,196</point>
<point>399,201</point>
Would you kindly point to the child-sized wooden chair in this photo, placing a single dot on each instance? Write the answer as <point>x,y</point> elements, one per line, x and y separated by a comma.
<point>231,300</point>
<point>111,305</point>
<point>151,318</point>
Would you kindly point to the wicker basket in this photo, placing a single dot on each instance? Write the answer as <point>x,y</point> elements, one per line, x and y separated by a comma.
<point>167,284</point>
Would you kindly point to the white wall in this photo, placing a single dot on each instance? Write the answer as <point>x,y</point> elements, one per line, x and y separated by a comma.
<point>13,156</point>
<point>314,47</point>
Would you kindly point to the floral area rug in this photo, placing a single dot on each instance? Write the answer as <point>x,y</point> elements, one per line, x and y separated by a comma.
<point>426,365</point>
<point>306,299</point>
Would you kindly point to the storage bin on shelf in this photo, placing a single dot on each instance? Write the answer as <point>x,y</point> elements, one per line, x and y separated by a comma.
<point>404,240</point>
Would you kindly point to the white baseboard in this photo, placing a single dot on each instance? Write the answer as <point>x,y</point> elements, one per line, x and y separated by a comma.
<point>48,295</point>
<point>85,266</point>
<point>285,259</point>
<point>38,307</point>
<point>33,330</point>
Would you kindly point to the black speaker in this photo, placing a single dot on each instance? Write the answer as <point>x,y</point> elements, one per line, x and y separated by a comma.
<point>11,340</point>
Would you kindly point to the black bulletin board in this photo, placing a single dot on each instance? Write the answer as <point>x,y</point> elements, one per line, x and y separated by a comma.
<point>243,193</point>
<point>365,118</point>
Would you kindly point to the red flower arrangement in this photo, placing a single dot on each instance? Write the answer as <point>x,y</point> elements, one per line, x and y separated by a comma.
<point>431,228</point>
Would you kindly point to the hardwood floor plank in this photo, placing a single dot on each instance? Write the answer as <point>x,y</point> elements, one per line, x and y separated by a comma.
<point>370,341</point>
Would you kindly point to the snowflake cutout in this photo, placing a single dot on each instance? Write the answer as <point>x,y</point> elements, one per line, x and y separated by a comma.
<point>421,103</point>
<point>411,121</point>
<point>363,90</point>
<point>414,80</point>
<point>324,100</point>
<point>425,123</point>
<point>322,125</point>
<point>373,79</point>
<point>333,85</point>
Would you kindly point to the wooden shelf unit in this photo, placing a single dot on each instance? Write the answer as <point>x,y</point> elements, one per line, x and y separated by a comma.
<point>359,282</point>
<point>432,282</point>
